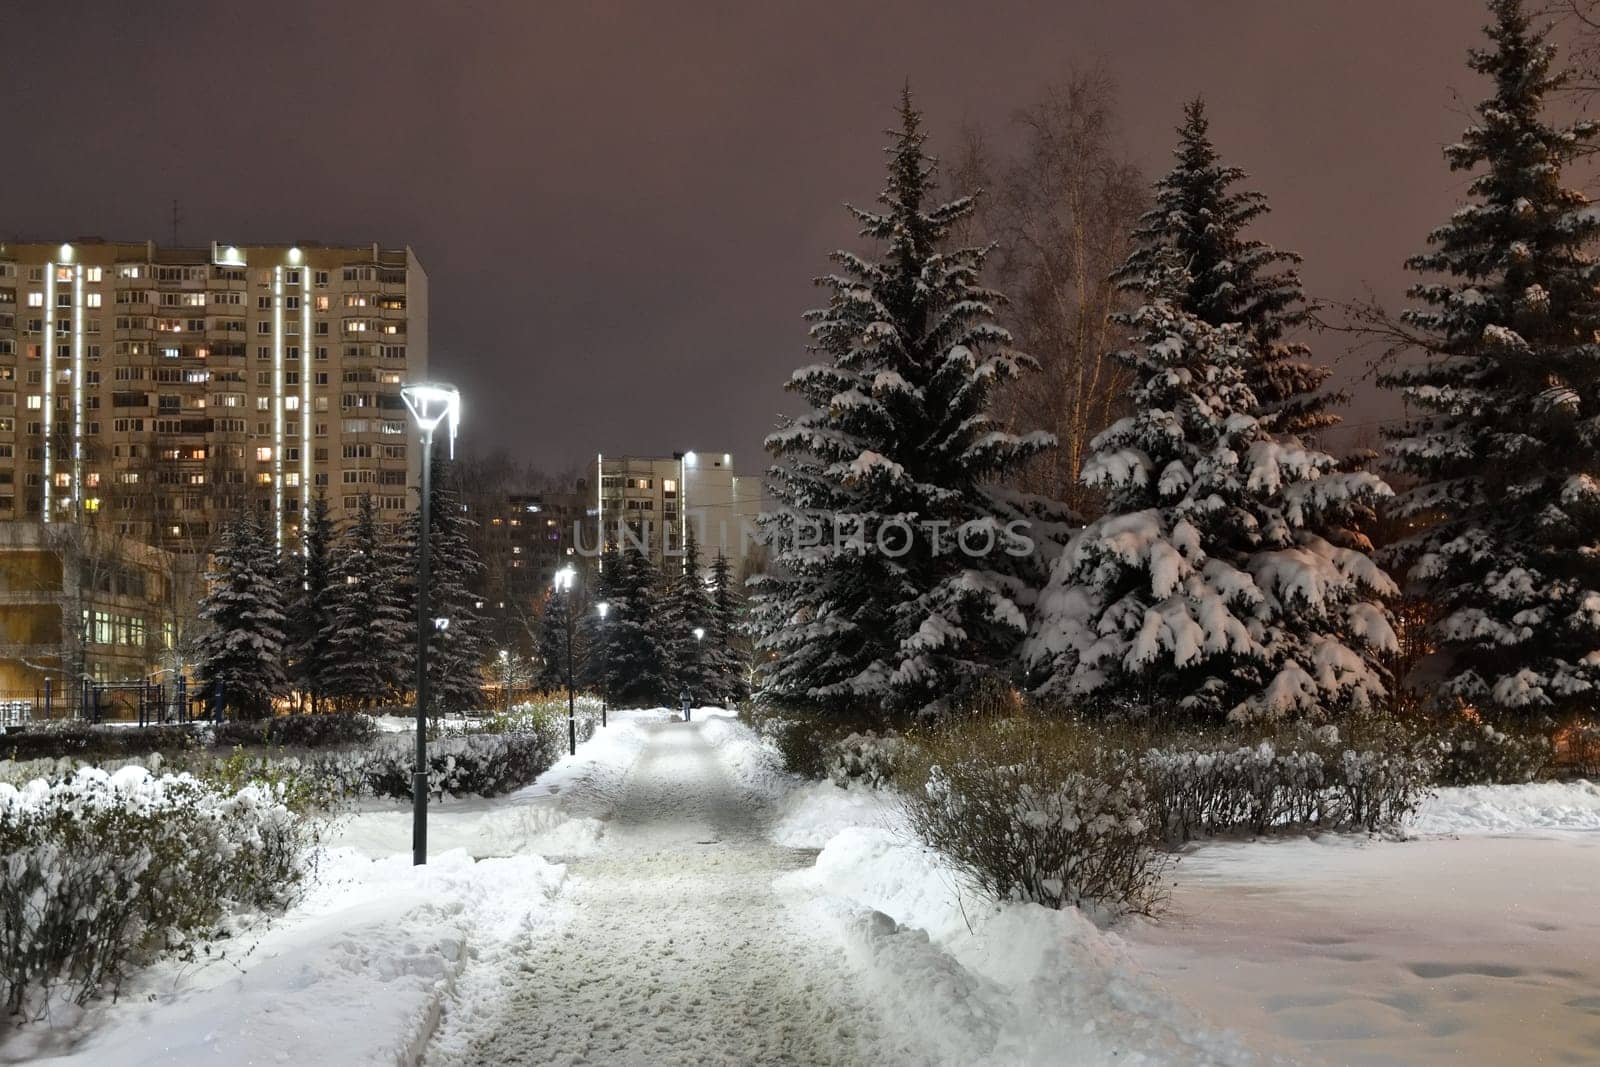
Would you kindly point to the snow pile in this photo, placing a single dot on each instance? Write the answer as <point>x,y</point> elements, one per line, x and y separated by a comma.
<point>1507,809</point>
<point>101,871</point>
<point>357,974</point>
<point>1013,983</point>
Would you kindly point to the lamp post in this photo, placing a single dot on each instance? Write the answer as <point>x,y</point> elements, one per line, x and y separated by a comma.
<point>505,680</point>
<point>565,577</point>
<point>430,404</point>
<point>605,662</point>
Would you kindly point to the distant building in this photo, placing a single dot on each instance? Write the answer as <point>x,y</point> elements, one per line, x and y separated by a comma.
<point>523,537</point>
<point>163,389</point>
<point>79,603</point>
<point>653,500</point>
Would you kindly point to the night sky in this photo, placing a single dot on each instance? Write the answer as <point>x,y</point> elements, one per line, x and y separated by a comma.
<point>620,206</point>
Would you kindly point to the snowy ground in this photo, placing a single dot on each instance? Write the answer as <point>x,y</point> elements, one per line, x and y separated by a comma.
<point>359,971</point>
<point>1476,942</point>
<point>661,898</point>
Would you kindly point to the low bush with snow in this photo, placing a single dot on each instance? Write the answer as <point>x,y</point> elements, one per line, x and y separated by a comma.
<point>104,870</point>
<point>1309,782</point>
<point>1033,810</point>
<point>868,758</point>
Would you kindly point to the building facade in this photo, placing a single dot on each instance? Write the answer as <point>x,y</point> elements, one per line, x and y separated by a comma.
<point>158,390</point>
<point>523,538</point>
<point>78,603</point>
<point>652,501</point>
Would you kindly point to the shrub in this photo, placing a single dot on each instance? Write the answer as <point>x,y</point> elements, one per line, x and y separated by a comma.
<point>866,758</point>
<point>1301,780</point>
<point>105,870</point>
<point>1578,747</point>
<point>80,740</point>
<point>1030,809</point>
<point>299,731</point>
<point>1469,751</point>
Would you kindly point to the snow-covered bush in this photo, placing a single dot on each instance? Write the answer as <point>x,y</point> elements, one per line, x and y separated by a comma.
<point>101,870</point>
<point>1304,779</point>
<point>1033,810</point>
<point>864,757</point>
<point>72,738</point>
<point>298,731</point>
<point>1471,752</point>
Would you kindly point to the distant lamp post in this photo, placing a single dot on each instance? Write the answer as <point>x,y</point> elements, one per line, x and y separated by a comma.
<point>505,680</point>
<point>430,404</point>
<point>605,661</point>
<point>565,578</point>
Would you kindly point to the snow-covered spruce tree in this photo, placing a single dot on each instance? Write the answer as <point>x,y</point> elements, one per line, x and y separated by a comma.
<point>369,657</point>
<point>312,603</point>
<point>686,607</point>
<point>1200,217</point>
<point>242,646</point>
<point>551,673</point>
<point>894,470</point>
<point>1207,588</point>
<point>635,654</point>
<point>1507,447</point>
<point>456,653</point>
<point>725,652</point>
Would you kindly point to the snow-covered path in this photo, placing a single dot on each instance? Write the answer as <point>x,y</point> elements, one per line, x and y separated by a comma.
<point>676,949</point>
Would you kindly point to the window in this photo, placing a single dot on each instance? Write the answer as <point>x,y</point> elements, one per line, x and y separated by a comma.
<point>94,274</point>
<point>36,299</point>
<point>92,300</point>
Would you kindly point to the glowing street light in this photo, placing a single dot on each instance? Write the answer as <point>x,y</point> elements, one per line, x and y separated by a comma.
<point>564,581</point>
<point>430,404</point>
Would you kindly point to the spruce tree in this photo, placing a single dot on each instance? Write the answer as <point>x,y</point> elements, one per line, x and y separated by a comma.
<point>242,647</point>
<point>312,606</point>
<point>725,652</point>
<point>1208,588</point>
<point>636,655</point>
<point>1200,217</point>
<point>551,674</point>
<point>369,656</point>
<point>1505,447</point>
<point>457,651</point>
<point>685,609</point>
<point>918,589</point>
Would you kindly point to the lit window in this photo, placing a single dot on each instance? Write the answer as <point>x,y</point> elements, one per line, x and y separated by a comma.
<point>36,300</point>
<point>264,454</point>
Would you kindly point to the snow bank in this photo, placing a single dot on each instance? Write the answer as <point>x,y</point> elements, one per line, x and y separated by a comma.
<point>987,984</point>
<point>1505,809</point>
<point>356,974</point>
<point>1013,983</point>
<point>362,968</point>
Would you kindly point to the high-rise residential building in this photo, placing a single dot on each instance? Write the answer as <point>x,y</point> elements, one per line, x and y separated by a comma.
<point>653,500</point>
<point>158,390</point>
<point>522,538</point>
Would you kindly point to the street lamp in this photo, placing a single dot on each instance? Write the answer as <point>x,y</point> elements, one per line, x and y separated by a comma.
<point>605,661</point>
<point>565,577</point>
<point>430,404</point>
<point>505,680</point>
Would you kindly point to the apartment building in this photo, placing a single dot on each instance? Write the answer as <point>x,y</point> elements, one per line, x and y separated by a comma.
<point>77,602</point>
<point>159,390</point>
<point>522,538</point>
<point>654,500</point>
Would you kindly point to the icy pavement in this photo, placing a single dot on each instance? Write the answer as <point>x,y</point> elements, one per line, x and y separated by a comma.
<point>675,949</point>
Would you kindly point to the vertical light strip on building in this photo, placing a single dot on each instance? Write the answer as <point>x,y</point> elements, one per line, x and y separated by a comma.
<point>305,395</point>
<point>599,509</point>
<point>77,391</point>
<point>277,402</point>
<point>49,381</point>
